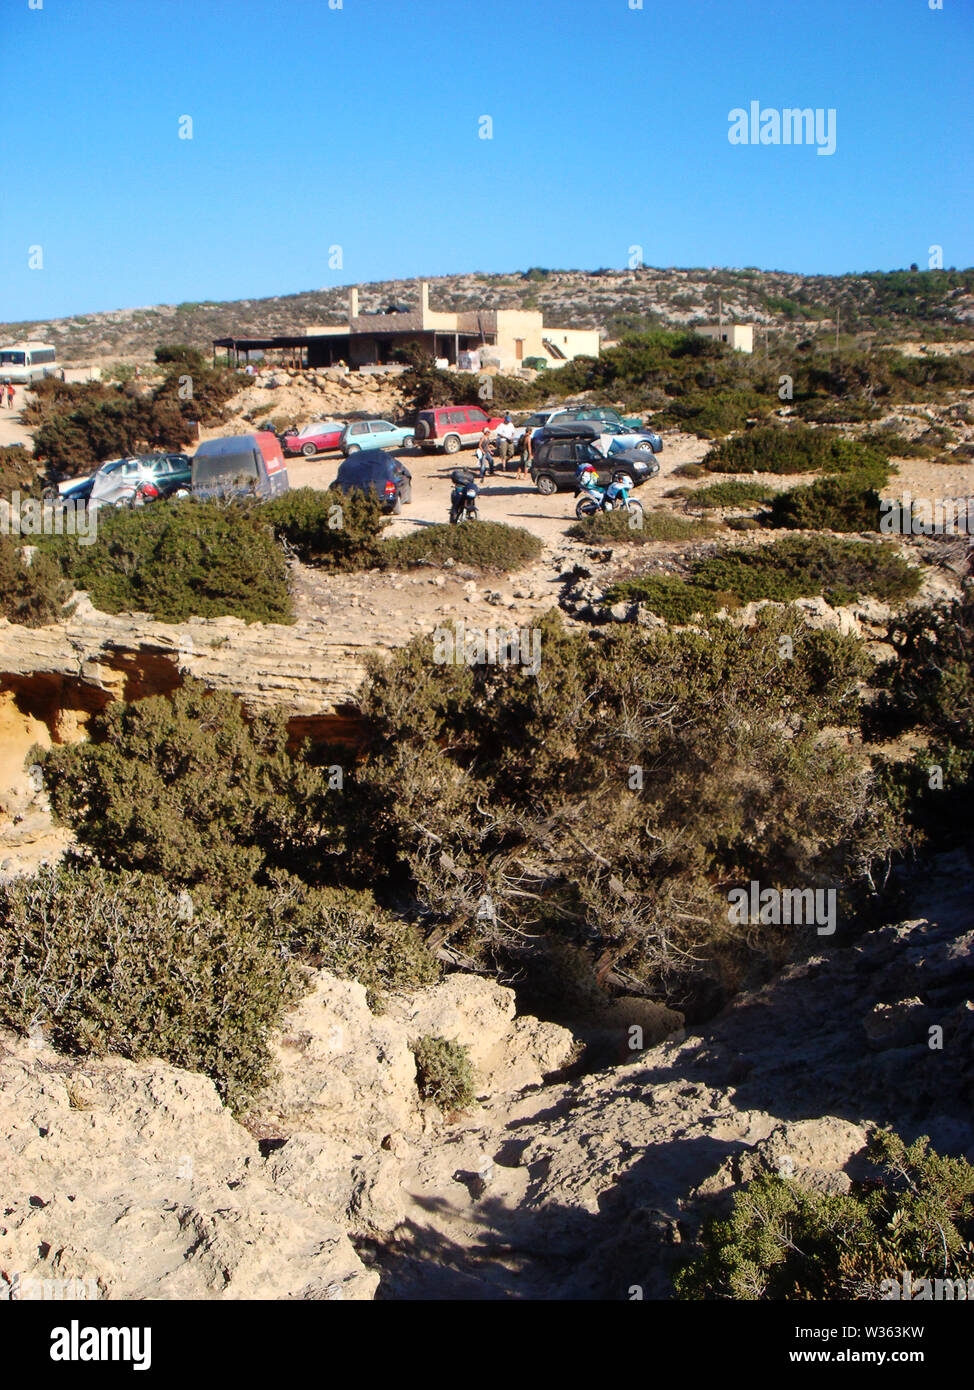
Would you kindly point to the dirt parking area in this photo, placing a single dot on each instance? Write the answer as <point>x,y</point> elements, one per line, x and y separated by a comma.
<point>503,497</point>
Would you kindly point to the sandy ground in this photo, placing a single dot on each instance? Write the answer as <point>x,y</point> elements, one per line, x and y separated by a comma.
<point>505,498</point>
<point>12,431</point>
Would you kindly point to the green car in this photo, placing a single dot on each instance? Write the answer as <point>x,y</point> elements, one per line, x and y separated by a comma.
<point>596,412</point>
<point>375,434</point>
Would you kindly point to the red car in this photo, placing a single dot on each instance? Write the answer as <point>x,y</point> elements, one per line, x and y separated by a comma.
<point>452,427</point>
<point>315,438</point>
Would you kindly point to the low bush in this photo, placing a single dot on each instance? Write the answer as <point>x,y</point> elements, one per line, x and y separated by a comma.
<point>18,470</point>
<point>122,963</point>
<point>78,425</point>
<point>678,601</point>
<point>715,412</point>
<point>31,594</point>
<point>848,502</point>
<point>330,530</point>
<point>181,560</point>
<point>654,526</point>
<point>783,1241</point>
<point>481,784</point>
<point>485,545</point>
<point>801,567</point>
<point>444,1073</point>
<point>185,787</point>
<point>733,493</point>
<point>795,449</point>
<point>794,567</point>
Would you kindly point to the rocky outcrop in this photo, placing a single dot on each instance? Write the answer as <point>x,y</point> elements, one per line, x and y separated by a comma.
<point>133,1175</point>
<point>132,1181</point>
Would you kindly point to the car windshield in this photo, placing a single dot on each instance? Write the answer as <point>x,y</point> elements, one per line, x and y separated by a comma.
<point>211,468</point>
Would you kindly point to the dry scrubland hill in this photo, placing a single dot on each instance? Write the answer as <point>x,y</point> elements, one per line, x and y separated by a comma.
<point>613,300</point>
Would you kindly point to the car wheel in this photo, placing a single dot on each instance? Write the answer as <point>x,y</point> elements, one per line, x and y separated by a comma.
<point>353,449</point>
<point>309,450</point>
<point>451,444</point>
<point>546,485</point>
<point>408,443</point>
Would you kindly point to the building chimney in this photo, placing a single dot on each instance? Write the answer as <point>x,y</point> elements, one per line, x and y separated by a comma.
<point>353,303</point>
<point>424,301</point>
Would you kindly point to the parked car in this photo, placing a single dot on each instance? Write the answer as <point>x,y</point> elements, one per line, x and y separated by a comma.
<point>129,481</point>
<point>313,439</point>
<point>618,437</point>
<point>452,427</point>
<point>374,434</point>
<point>373,470</point>
<point>241,463</point>
<point>565,414</point>
<point>562,448</point>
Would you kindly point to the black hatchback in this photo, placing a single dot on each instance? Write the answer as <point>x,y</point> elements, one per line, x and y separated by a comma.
<point>373,470</point>
<point>563,448</point>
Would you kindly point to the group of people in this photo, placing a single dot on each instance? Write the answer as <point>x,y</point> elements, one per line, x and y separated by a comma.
<point>7,394</point>
<point>493,453</point>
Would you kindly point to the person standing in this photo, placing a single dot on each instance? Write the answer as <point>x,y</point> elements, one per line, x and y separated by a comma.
<point>505,440</point>
<point>10,394</point>
<point>527,453</point>
<point>485,454</point>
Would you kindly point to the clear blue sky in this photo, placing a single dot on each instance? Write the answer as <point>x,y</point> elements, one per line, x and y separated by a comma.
<point>359,127</point>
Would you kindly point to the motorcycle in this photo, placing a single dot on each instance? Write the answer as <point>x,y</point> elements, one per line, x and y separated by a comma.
<point>463,498</point>
<point>614,498</point>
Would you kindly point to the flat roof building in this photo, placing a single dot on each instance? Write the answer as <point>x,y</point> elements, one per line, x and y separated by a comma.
<point>735,335</point>
<point>502,339</point>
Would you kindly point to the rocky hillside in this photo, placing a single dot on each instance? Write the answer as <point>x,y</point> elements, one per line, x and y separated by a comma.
<point>342,1183</point>
<point>895,303</point>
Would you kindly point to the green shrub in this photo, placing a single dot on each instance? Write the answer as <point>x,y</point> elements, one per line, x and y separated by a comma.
<point>480,781</point>
<point>845,503</point>
<point>18,470</point>
<point>715,412</point>
<point>689,470</point>
<point>181,355</point>
<point>185,787</point>
<point>210,387</point>
<point>785,1242</point>
<point>31,594</point>
<point>330,530</point>
<point>798,449</point>
<point>927,694</point>
<point>801,567</point>
<point>444,1073</point>
<point>655,526</point>
<point>77,425</point>
<point>188,559</point>
<point>794,567</point>
<point>122,963</point>
<point>484,545</point>
<point>733,493</point>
